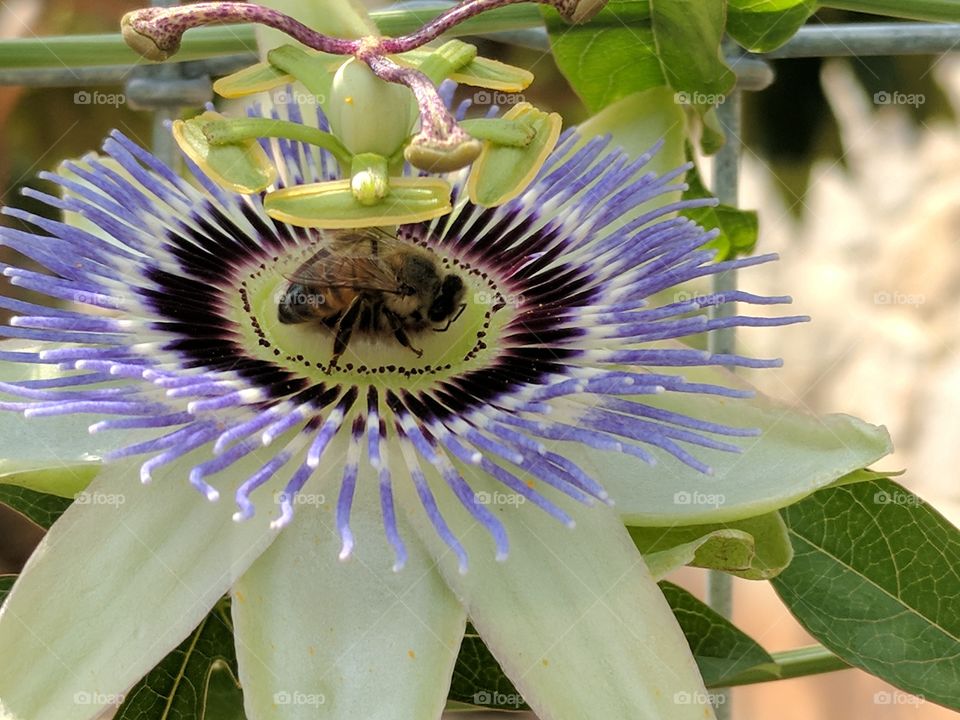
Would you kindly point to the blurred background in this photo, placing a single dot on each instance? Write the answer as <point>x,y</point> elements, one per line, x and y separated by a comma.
<point>860,197</point>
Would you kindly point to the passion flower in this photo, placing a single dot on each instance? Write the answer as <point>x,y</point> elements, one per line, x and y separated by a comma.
<point>466,464</point>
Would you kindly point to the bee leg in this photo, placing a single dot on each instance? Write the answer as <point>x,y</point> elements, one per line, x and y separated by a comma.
<point>399,333</point>
<point>344,329</point>
<point>452,320</point>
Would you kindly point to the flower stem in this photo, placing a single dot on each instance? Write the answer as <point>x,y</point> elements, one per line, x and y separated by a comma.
<point>933,10</point>
<point>441,145</point>
<point>156,32</point>
<point>509,17</point>
<point>571,10</point>
<point>811,660</point>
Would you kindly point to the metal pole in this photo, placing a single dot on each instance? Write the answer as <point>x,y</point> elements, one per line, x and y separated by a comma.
<point>162,141</point>
<point>870,39</point>
<point>726,169</point>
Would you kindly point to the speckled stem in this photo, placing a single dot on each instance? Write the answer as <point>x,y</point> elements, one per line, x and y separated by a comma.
<point>571,10</point>
<point>438,125</point>
<point>165,26</point>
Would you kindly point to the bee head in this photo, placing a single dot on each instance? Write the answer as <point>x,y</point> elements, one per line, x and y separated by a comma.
<point>448,298</point>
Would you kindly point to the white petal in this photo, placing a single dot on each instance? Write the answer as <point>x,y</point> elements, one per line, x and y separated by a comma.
<point>572,615</point>
<point>796,454</point>
<point>638,121</point>
<point>50,454</point>
<point>116,584</point>
<point>317,636</point>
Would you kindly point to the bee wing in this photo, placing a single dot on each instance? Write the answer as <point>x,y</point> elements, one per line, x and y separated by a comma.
<point>359,273</point>
<point>367,242</point>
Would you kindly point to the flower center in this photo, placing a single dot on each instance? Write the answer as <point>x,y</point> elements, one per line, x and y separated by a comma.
<point>465,339</point>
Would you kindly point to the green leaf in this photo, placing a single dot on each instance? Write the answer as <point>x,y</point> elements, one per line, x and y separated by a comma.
<point>762,25</point>
<point>738,228</point>
<point>721,649</point>
<point>6,584</point>
<point>478,679</point>
<point>40,508</point>
<point>876,579</point>
<point>755,548</point>
<point>687,34</point>
<point>931,10</point>
<point>224,697</point>
<point>178,687</point>
<point>604,64</point>
<point>858,476</point>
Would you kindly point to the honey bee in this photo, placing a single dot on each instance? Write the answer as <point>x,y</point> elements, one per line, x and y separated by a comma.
<point>370,282</point>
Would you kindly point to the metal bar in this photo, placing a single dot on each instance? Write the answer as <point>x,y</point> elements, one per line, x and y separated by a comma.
<point>162,144</point>
<point>753,73</point>
<point>118,74</point>
<point>899,38</point>
<point>726,183</point>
